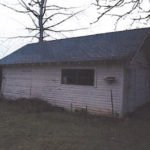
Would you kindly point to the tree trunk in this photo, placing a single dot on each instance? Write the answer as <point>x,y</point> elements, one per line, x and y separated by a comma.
<point>41,21</point>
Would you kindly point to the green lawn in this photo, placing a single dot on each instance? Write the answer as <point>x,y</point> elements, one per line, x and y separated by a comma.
<point>28,130</point>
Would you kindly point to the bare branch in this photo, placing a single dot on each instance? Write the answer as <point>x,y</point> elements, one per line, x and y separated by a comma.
<point>19,11</point>
<point>108,8</point>
<point>35,13</point>
<point>55,14</point>
<point>55,7</point>
<point>135,8</point>
<point>54,25</point>
<point>69,30</point>
<point>41,14</point>
<point>15,37</point>
<point>33,21</point>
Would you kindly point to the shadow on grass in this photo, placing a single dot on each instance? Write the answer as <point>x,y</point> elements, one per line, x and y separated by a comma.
<point>33,105</point>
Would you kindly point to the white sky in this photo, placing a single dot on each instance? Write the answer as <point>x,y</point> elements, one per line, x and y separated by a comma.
<point>13,24</point>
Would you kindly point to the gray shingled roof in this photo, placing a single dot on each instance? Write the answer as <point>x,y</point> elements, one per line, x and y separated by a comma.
<point>101,47</point>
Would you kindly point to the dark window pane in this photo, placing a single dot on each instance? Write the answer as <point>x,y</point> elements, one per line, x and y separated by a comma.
<point>68,76</point>
<point>86,77</point>
<point>78,76</point>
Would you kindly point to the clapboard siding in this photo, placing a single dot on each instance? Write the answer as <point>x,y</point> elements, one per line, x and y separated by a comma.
<point>45,82</point>
<point>138,79</point>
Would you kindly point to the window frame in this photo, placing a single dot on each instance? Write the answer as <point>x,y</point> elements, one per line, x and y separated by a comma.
<point>80,68</point>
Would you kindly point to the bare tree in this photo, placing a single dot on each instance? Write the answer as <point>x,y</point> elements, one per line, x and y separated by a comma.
<point>136,10</point>
<point>45,17</point>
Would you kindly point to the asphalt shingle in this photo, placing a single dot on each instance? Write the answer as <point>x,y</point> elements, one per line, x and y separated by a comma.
<point>100,47</point>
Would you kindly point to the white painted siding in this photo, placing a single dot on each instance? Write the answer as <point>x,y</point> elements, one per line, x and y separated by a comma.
<point>45,82</point>
<point>138,78</point>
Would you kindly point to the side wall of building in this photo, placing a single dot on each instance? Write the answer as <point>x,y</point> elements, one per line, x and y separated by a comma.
<point>44,82</point>
<point>137,83</point>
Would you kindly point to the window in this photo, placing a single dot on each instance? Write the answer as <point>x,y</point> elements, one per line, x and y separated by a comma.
<point>77,76</point>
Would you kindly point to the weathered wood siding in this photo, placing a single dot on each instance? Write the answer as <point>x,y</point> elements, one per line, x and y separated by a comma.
<point>45,82</point>
<point>138,83</point>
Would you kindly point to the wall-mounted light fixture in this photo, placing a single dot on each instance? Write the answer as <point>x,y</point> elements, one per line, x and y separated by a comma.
<point>110,80</point>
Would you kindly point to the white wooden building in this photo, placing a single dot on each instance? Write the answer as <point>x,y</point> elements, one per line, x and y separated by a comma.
<point>105,74</point>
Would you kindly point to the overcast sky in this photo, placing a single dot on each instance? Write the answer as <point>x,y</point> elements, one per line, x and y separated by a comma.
<point>13,24</point>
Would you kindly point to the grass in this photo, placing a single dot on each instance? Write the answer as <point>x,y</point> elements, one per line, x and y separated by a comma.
<point>24,127</point>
